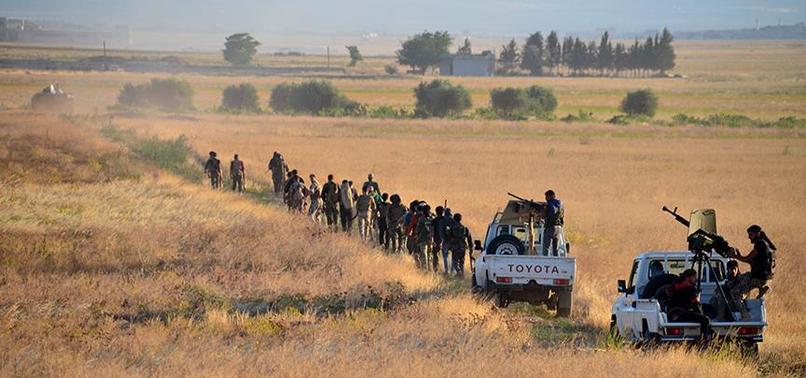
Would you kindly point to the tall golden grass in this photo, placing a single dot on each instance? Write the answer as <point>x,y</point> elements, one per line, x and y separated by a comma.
<point>613,181</point>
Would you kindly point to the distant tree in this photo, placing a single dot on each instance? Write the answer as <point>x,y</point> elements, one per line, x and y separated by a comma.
<point>167,94</point>
<point>440,98</point>
<point>465,49</point>
<point>310,97</point>
<point>242,98</point>
<point>591,56</point>
<point>423,50</point>
<point>509,57</point>
<point>620,58</point>
<point>355,55</point>
<point>391,69</point>
<point>648,55</point>
<point>533,54</point>
<point>554,55</point>
<point>567,49</point>
<point>665,55</point>
<point>240,49</point>
<point>605,58</point>
<point>640,102</point>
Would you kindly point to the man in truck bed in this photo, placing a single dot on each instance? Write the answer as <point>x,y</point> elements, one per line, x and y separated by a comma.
<point>554,213</point>
<point>684,305</point>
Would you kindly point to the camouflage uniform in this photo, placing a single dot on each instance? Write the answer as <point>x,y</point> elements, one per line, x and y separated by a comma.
<point>394,221</point>
<point>365,208</point>
<point>237,172</point>
<point>424,237</point>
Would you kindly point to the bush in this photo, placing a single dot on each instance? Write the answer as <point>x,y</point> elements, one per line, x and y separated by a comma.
<point>241,98</point>
<point>640,102</point>
<point>166,94</point>
<point>509,102</point>
<point>542,100</point>
<point>391,69</point>
<point>310,97</point>
<point>439,98</point>
<point>520,103</point>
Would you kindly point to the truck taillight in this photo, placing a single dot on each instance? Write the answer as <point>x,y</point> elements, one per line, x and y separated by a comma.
<point>674,331</point>
<point>503,279</point>
<point>561,282</point>
<point>746,331</point>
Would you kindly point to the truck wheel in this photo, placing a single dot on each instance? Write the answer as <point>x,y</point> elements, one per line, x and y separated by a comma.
<point>506,245</point>
<point>501,300</point>
<point>750,350</point>
<point>565,302</point>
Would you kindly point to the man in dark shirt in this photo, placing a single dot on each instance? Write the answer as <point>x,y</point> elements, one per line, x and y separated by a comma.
<point>761,265</point>
<point>330,202</point>
<point>658,278</point>
<point>684,304</point>
<point>439,237</point>
<point>394,221</point>
<point>212,168</point>
<point>553,227</point>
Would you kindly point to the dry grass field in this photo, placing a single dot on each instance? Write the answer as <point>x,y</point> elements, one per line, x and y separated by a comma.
<point>759,79</point>
<point>109,266</point>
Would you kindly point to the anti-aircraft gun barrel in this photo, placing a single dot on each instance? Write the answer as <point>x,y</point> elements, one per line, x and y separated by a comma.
<point>677,216</point>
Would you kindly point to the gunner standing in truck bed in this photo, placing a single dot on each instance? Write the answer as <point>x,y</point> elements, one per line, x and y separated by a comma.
<point>555,211</point>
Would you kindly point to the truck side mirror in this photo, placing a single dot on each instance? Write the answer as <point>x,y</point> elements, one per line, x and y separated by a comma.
<point>622,286</point>
<point>477,245</point>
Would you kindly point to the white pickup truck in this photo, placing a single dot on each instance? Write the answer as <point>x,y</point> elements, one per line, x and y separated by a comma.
<point>645,320</point>
<point>511,265</point>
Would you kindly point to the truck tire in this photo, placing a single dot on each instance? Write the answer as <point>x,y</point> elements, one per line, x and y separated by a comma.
<point>749,349</point>
<point>506,245</point>
<point>501,300</point>
<point>565,302</point>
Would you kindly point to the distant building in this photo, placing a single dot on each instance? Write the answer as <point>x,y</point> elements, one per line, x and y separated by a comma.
<point>20,30</point>
<point>467,64</point>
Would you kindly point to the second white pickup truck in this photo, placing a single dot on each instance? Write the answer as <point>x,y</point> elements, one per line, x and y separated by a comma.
<point>511,266</point>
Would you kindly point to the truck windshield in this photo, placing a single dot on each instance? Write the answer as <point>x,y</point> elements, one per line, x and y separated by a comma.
<point>633,275</point>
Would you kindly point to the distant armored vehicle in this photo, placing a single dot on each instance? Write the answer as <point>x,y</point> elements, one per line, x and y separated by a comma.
<point>52,99</point>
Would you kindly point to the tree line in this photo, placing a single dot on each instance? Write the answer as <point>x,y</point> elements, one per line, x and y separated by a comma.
<point>572,56</point>
<point>540,56</point>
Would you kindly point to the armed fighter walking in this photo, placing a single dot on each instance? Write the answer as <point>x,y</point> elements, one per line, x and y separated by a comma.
<point>279,171</point>
<point>330,202</point>
<point>237,172</point>
<point>212,168</point>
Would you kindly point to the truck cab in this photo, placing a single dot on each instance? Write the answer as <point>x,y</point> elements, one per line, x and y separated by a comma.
<point>510,264</point>
<point>645,320</point>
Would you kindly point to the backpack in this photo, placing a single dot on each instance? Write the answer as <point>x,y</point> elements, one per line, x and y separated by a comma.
<point>457,234</point>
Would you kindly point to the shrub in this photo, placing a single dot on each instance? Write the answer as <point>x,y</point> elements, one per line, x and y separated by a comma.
<point>521,103</point>
<point>166,94</point>
<point>581,116</point>
<point>509,102</point>
<point>242,98</point>
<point>311,97</point>
<point>391,69</point>
<point>640,102</point>
<point>541,100</point>
<point>439,98</point>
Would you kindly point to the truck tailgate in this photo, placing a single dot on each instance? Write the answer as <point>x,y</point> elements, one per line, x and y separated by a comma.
<point>523,269</point>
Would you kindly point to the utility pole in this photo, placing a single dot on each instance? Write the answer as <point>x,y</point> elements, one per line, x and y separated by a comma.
<point>328,57</point>
<point>104,48</point>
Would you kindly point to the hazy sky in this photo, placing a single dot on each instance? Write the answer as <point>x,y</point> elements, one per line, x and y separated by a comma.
<point>409,16</point>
